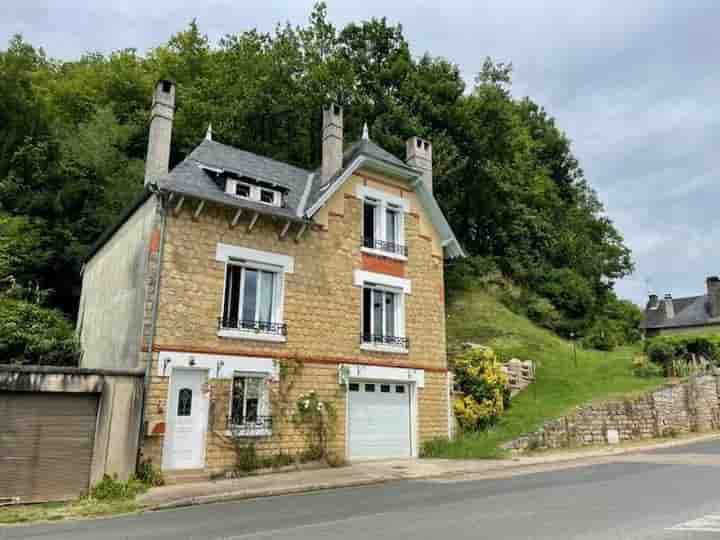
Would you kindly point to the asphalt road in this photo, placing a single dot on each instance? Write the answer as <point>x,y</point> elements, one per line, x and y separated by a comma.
<point>669,494</point>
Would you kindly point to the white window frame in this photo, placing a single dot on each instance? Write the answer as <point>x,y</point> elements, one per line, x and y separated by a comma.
<point>263,405</point>
<point>383,201</point>
<point>398,315</point>
<point>260,260</point>
<point>255,192</point>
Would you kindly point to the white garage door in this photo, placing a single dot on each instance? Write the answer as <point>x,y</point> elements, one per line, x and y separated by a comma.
<point>379,420</point>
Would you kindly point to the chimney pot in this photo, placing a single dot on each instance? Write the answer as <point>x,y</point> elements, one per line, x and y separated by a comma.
<point>712,284</point>
<point>418,154</point>
<point>157,161</point>
<point>332,142</point>
<point>669,306</point>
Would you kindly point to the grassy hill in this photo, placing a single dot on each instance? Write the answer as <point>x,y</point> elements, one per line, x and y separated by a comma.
<point>477,316</point>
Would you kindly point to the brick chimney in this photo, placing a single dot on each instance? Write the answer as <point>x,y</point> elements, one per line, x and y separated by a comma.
<point>713,292</point>
<point>161,120</point>
<point>332,142</point>
<point>418,154</point>
<point>669,306</point>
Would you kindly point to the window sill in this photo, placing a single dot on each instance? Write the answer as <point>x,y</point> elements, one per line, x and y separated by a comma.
<point>256,434</point>
<point>377,347</point>
<point>381,253</point>
<point>249,334</point>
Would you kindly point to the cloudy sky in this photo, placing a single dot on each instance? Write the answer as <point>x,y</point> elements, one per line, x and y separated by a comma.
<point>635,85</point>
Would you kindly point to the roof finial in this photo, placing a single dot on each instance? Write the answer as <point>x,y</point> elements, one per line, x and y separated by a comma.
<point>365,135</point>
<point>208,133</point>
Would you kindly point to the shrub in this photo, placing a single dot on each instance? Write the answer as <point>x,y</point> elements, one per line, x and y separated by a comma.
<point>683,354</point>
<point>316,418</point>
<point>149,475</point>
<point>111,489</point>
<point>485,388</point>
<point>642,367</point>
<point>33,334</point>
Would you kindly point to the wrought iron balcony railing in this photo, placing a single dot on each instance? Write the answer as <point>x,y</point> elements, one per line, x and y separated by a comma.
<point>260,327</point>
<point>392,341</point>
<point>382,245</point>
<point>256,426</point>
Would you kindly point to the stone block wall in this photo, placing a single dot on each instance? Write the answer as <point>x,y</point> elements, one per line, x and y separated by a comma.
<point>286,437</point>
<point>691,406</point>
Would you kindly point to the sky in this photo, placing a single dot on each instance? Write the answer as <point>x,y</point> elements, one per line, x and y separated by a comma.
<point>634,85</point>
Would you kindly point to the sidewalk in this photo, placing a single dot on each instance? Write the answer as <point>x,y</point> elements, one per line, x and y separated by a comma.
<point>376,472</point>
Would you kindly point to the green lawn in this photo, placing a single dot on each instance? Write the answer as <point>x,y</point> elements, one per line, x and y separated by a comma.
<point>58,511</point>
<point>479,317</point>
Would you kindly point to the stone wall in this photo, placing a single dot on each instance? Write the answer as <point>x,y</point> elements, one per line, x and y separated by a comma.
<point>692,406</point>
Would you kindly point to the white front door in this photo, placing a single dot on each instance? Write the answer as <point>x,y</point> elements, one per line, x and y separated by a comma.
<point>187,417</point>
<point>379,420</point>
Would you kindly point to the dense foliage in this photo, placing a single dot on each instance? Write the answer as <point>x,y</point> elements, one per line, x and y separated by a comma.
<point>680,355</point>
<point>484,388</point>
<point>73,137</point>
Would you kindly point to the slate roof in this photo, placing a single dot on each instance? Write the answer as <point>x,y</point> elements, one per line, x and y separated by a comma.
<point>690,311</point>
<point>362,147</point>
<point>191,179</point>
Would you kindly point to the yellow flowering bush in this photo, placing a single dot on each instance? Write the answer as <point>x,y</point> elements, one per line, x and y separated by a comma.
<point>484,386</point>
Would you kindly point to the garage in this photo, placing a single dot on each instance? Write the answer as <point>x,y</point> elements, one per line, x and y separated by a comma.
<point>46,444</point>
<point>379,420</point>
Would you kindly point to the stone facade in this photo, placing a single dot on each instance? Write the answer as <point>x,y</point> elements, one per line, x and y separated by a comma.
<point>692,406</point>
<point>322,310</point>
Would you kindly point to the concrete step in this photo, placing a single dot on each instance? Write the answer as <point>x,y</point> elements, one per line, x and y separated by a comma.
<point>185,476</point>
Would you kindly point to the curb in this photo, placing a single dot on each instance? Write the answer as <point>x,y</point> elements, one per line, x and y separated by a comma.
<point>263,493</point>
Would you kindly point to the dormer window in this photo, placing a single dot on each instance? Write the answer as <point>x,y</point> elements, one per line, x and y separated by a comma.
<point>253,192</point>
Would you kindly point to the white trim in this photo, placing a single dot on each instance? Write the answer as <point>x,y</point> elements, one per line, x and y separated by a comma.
<point>231,333</point>
<point>381,253</point>
<point>363,277</point>
<point>384,348</point>
<point>305,195</point>
<point>254,191</point>
<point>167,462</point>
<point>363,191</point>
<point>218,366</point>
<point>225,252</point>
<point>384,373</point>
<point>263,406</point>
<point>335,186</point>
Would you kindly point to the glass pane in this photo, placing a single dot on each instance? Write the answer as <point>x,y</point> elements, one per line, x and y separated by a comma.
<point>267,196</point>
<point>385,388</point>
<point>369,387</point>
<point>391,231</point>
<point>184,402</point>
<point>378,312</point>
<point>250,295</point>
<point>252,398</point>
<point>232,296</point>
<point>390,314</point>
<point>354,387</point>
<point>238,397</point>
<point>369,224</point>
<point>242,190</point>
<point>367,314</point>
<point>267,284</point>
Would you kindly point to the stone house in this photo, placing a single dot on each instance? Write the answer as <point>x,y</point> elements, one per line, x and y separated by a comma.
<point>240,283</point>
<point>682,315</point>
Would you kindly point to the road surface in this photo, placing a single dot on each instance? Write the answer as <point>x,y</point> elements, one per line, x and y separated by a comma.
<point>671,494</point>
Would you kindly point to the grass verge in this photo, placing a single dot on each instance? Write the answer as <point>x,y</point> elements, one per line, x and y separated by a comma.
<point>58,511</point>
<point>565,379</point>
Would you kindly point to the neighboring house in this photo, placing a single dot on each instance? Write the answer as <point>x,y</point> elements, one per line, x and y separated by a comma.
<point>232,265</point>
<point>682,315</point>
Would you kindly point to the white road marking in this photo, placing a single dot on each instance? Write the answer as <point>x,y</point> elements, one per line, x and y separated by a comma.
<point>708,523</point>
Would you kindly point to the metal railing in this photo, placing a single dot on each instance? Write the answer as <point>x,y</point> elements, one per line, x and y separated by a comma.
<point>260,327</point>
<point>382,245</point>
<point>255,426</point>
<point>393,341</point>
